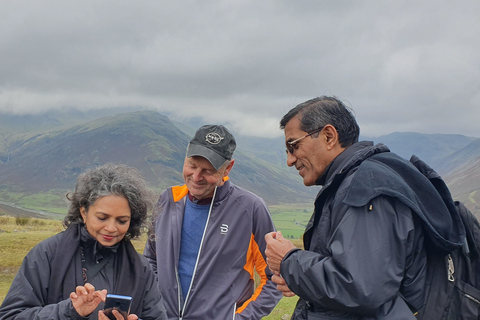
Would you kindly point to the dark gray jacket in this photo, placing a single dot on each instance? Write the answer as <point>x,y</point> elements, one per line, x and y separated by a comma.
<point>232,249</point>
<point>52,270</point>
<point>364,243</point>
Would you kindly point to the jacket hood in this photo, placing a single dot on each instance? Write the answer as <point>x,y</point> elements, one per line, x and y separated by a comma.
<point>385,173</point>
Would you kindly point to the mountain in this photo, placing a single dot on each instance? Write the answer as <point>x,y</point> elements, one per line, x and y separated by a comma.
<point>54,119</point>
<point>41,156</point>
<point>455,157</point>
<point>47,161</point>
<point>463,176</point>
<point>431,148</point>
<point>146,140</point>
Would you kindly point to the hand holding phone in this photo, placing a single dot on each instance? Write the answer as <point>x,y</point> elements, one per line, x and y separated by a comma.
<point>118,302</point>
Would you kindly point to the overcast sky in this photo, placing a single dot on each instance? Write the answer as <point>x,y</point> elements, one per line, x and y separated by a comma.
<point>400,65</point>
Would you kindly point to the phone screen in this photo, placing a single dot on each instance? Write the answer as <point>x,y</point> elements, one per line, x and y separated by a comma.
<point>119,302</point>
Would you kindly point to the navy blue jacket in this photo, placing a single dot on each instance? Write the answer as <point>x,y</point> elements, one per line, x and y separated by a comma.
<point>365,252</point>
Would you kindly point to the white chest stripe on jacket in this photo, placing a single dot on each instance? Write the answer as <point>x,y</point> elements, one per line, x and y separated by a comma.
<point>199,250</point>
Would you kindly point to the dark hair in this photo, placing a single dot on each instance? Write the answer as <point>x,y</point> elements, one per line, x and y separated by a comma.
<point>112,179</point>
<point>318,112</point>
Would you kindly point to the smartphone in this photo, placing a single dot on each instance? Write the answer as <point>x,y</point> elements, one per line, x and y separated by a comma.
<point>119,302</point>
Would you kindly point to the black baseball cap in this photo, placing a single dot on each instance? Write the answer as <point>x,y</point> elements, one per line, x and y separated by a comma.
<point>214,143</point>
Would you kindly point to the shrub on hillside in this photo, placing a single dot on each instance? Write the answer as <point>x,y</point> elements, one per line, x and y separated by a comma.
<point>37,222</point>
<point>22,221</point>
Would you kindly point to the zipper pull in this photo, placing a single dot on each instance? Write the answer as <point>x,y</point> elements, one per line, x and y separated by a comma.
<point>451,269</point>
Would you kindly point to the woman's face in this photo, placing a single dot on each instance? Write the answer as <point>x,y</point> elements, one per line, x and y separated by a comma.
<point>107,219</point>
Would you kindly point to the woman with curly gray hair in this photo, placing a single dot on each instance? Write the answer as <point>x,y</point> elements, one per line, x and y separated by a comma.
<point>58,278</point>
<point>112,179</point>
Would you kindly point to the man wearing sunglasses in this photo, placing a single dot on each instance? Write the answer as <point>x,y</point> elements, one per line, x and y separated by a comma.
<point>364,255</point>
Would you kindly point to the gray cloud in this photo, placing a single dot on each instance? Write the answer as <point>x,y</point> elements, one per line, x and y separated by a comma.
<point>402,66</point>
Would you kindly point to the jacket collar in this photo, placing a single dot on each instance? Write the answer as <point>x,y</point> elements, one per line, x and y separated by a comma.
<point>349,158</point>
<point>221,192</point>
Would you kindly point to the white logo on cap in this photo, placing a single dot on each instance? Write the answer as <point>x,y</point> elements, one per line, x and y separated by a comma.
<point>213,138</point>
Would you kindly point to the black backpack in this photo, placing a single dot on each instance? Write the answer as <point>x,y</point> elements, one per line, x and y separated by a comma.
<point>453,278</point>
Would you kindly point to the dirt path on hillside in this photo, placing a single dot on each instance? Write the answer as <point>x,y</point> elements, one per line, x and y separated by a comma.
<point>16,212</point>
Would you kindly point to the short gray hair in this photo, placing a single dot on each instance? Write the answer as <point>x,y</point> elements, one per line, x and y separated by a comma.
<point>113,179</point>
<point>318,112</point>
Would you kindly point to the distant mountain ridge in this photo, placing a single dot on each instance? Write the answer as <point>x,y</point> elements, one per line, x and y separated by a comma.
<point>40,161</point>
<point>47,155</point>
<point>432,148</point>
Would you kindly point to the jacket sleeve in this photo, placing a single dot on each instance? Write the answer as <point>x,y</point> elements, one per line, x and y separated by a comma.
<point>363,265</point>
<point>153,306</point>
<point>266,295</point>
<point>150,251</point>
<point>26,298</point>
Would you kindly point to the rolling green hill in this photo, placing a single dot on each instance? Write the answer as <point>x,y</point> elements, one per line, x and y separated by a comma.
<point>41,156</point>
<point>38,167</point>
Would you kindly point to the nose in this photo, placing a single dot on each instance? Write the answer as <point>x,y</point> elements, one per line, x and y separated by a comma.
<point>111,226</point>
<point>197,175</point>
<point>291,159</point>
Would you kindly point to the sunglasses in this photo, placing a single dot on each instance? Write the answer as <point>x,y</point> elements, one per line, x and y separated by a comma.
<point>293,145</point>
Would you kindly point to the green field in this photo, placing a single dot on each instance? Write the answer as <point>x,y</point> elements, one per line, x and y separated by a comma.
<point>291,219</point>
<point>19,235</point>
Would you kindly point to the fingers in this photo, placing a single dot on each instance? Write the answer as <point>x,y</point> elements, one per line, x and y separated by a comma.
<point>277,279</point>
<point>116,314</point>
<point>81,291</point>
<point>84,290</point>
<point>282,286</point>
<point>102,316</point>
<point>102,294</point>
<point>73,296</point>
<point>279,236</point>
<point>288,294</point>
<point>285,290</point>
<point>270,236</point>
<point>90,288</point>
<point>274,235</point>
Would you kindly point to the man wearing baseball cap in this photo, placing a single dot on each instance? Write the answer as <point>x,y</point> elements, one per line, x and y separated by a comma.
<point>209,238</point>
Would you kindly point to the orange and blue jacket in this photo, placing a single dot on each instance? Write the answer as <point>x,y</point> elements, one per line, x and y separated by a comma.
<point>232,248</point>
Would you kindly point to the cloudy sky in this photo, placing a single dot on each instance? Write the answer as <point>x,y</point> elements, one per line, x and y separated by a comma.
<point>408,65</point>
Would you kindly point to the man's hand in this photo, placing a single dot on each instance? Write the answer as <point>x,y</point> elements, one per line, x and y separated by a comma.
<point>277,248</point>
<point>85,299</point>
<point>282,286</point>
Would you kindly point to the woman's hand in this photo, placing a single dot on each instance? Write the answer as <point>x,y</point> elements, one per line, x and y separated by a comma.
<point>118,316</point>
<point>85,299</point>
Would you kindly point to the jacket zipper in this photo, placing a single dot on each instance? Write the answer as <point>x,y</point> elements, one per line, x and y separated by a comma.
<point>181,310</point>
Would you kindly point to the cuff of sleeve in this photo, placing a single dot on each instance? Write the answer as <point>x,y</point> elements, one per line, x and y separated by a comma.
<point>288,255</point>
<point>73,314</point>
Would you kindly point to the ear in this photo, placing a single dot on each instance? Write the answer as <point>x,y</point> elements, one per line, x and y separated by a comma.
<point>228,168</point>
<point>330,136</point>
<point>83,213</point>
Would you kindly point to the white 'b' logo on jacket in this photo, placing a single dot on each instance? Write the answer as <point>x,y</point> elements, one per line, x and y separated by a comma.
<point>224,229</point>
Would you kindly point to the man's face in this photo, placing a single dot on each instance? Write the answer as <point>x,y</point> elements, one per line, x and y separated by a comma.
<point>201,177</point>
<point>311,156</point>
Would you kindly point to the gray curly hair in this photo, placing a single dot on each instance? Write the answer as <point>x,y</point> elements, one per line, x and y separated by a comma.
<point>113,179</point>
